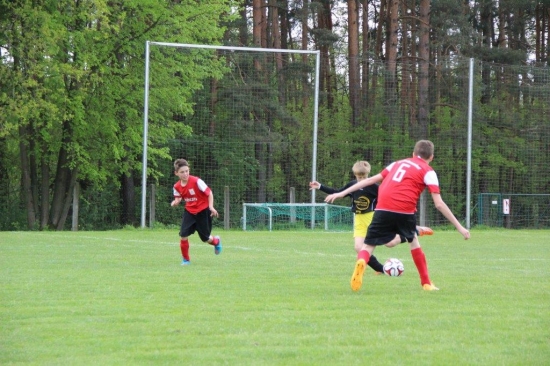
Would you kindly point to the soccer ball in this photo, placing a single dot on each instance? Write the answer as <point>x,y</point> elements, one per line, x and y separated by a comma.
<point>393,267</point>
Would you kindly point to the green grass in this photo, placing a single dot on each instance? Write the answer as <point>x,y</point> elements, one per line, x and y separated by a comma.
<point>271,298</point>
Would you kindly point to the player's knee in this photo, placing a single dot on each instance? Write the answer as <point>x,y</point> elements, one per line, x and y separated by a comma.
<point>396,241</point>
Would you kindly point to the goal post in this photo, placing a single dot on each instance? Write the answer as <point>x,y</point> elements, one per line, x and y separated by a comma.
<point>150,44</point>
<point>296,216</point>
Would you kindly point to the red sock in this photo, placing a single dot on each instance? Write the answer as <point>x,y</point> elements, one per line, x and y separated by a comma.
<point>184,246</point>
<point>421,265</point>
<point>215,241</point>
<point>363,254</point>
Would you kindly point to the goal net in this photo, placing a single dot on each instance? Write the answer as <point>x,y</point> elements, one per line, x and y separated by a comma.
<point>296,216</point>
<point>247,125</point>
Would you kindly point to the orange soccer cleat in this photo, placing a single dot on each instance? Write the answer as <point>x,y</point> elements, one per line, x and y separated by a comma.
<point>429,287</point>
<point>357,277</point>
<point>424,230</point>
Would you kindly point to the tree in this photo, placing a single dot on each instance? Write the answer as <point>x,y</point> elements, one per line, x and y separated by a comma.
<point>76,73</point>
<point>424,66</point>
<point>354,74</point>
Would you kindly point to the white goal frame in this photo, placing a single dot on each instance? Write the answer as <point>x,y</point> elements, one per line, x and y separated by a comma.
<point>148,44</point>
<point>292,212</point>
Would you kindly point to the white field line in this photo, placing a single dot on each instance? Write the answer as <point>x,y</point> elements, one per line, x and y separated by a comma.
<point>197,244</point>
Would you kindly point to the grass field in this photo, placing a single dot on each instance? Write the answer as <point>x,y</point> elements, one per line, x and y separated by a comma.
<point>270,298</point>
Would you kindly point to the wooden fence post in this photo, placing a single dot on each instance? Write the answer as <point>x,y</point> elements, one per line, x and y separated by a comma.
<point>152,206</point>
<point>76,198</point>
<point>226,205</point>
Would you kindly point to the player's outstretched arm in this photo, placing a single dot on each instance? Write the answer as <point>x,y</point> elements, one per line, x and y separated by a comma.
<point>361,184</point>
<point>333,197</point>
<point>314,185</point>
<point>446,211</point>
<point>176,201</point>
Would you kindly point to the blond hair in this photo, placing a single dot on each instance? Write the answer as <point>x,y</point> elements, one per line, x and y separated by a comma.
<point>361,168</point>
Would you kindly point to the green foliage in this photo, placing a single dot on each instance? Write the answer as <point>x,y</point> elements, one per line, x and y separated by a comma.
<point>92,215</point>
<point>72,81</point>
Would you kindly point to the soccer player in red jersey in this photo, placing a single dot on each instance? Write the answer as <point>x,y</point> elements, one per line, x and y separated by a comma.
<point>199,209</point>
<point>394,220</point>
<point>363,203</point>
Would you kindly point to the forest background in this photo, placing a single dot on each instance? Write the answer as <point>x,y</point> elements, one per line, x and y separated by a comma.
<point>391,72</point>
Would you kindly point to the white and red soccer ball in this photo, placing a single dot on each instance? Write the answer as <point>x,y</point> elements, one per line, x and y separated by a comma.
<point>394,267</point>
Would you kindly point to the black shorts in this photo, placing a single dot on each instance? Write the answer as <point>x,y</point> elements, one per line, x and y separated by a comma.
<point>386,224</point>
<point>201,223</point>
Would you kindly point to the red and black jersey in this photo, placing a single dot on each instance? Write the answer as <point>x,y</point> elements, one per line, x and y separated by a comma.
<point>195,194</point>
